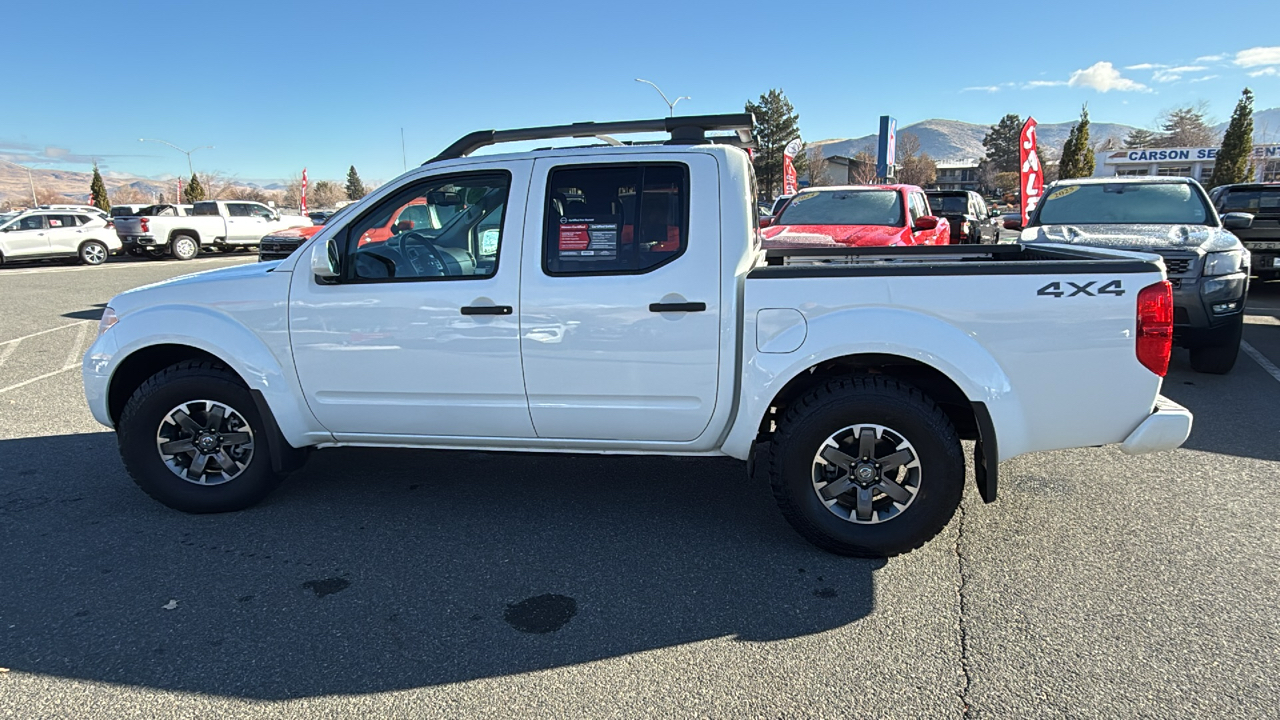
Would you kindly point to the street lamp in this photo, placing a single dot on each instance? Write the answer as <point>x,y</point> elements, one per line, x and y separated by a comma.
<point>184,152</point>
<point>671,105</point>
<point>32,183</point>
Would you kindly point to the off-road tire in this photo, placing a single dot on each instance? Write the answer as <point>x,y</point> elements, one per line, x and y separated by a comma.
<point>184,250</point>
<point>1218,356</point>
<point>142,415</point>
<point>788,459</point>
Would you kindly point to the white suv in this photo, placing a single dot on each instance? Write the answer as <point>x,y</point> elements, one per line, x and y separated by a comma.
<point>40,234</point>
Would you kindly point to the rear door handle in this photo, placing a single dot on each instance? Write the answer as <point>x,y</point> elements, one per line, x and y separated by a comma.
<point>678,307</point>
<point>486,310</point>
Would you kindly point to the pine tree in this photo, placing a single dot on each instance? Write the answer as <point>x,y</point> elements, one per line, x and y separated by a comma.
<point>355,187</point>
<point>160,199</point>
<point>98,191</point>
<point>1002,144</point>
<point>776,125</point>
<point>1140,138</point>
<point>194,191</point>
<point>1077,154</point>
<point>1232,164</point>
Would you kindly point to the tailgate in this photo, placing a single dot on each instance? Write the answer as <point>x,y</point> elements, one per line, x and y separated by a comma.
<point>129,226</point>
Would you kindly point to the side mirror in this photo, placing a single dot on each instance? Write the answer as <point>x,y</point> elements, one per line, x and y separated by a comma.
<point>1012,222</point>
<point>926,222</point>
<point>324,260</point>
<point>1230,221</point>
<point>766,221</point>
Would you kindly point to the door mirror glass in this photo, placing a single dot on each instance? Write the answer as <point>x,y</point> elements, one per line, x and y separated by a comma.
<point>766,221</point>
<point>324,260</point>
<point>926,222</point>
<point>1230,221</point>
<point>1012,222</point>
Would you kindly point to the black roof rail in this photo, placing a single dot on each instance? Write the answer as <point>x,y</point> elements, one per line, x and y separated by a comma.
<point>684,130</point>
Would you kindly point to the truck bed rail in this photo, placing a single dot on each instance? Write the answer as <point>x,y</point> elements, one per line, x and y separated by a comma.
<point>1006,259</point>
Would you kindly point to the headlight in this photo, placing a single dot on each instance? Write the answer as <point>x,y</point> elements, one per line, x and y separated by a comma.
<point>1225,263</point>
<point>108,319</point>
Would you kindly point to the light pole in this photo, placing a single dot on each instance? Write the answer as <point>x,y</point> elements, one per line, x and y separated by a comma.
<point>184,152</point>
<point>32,183</point>
<point>671,105</point>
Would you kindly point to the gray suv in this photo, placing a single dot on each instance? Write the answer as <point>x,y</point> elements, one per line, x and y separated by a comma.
<point>1170,216</point>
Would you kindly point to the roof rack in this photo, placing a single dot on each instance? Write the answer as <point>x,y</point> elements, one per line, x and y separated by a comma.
<point>684,130</point>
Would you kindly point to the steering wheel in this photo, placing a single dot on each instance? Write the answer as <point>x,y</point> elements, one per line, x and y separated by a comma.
<point>422,254</point>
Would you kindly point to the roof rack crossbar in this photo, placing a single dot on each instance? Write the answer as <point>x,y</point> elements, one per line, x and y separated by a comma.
<point>685,129</point>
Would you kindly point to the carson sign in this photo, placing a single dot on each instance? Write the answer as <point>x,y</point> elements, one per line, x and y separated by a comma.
<point>1150,155</point>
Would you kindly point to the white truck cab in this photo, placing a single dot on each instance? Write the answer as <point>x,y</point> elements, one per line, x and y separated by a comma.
<point>616,300</point>
<point>186,231</point>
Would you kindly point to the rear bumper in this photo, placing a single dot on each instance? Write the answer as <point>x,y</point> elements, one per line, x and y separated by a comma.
<point>1166,428</point>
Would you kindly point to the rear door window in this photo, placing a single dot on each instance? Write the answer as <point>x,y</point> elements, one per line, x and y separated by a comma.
<point>1259,201</point>
<point>615,219</point>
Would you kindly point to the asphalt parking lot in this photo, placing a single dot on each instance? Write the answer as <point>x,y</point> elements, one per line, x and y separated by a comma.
<point>413,584</point>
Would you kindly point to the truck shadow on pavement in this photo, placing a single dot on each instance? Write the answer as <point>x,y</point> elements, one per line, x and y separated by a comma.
<point>381,570</point>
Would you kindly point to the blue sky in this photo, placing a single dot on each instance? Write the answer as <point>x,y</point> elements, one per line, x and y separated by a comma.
<point>278,86</point>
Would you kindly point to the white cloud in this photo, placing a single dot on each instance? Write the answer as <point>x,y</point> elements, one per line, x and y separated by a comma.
<point>1175,73</point>
<point>1202,79</point>
<point>1043,83</point>
<point>1254,57</point>
<point>1265,72</point>
<point>982,88</point>
<point>1103,77</point>
<point>1211,58</point>
<point>1144,66</point>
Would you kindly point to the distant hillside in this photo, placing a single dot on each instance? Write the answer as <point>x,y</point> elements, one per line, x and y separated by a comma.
<point>954,140</point>
<point>15,188</point>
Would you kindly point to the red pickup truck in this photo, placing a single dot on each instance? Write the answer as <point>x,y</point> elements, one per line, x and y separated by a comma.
<point>856,216</point>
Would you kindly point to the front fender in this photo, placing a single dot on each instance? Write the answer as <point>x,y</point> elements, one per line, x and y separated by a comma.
<point>878,331</point>
<point>263,359</point>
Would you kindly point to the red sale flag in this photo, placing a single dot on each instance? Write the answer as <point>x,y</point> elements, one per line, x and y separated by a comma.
<point>302,201</point>
<point>789,183</point>
<point>1030,176</point>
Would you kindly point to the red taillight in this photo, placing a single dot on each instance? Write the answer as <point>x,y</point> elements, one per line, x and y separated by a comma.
<point>143,221</point>
<point>1155,327</point>
<point>111,224</point>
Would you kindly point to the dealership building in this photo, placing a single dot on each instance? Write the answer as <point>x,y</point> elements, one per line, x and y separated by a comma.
<point>1181,162</point>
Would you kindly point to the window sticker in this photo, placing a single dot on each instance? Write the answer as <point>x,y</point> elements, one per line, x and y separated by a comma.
<point>589,238</point>
<point>1063,192</point>
<point>55,222</point>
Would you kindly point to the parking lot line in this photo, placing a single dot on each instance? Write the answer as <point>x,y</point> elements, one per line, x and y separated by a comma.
<point>117,266</point>
<point>17,340</point>
<point>1261,359</point>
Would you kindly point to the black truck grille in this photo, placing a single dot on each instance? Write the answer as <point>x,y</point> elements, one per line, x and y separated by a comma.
<point>1177,266</point>
<point>276,250</point>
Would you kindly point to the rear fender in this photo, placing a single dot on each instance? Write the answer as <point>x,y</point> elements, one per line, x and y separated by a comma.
<point>877,331</point>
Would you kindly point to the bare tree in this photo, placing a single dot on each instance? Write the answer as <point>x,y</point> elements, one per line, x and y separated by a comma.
<point>215,184</point>
<point>44,196</point>
<point>915,167</point>
<point>252,194</point>
<point>818,168</point>
<point>128,195</point>
<point>325,194</point>
<point>862,167</point>
<point>1186,126</point>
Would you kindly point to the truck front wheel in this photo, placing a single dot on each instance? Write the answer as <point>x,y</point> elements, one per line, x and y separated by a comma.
<point>192,438</point>
<point>1217,355</point>
<point>185,247</point>
<point>866,466</point>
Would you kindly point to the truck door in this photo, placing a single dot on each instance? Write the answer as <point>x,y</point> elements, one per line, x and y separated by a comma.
<point>419,334</point>
<point>243,224</point>
<point>620,312</point>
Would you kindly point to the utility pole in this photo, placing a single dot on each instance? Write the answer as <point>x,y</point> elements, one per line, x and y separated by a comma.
<point>404,159</point>
<point>34,202</point>
<point>671,105</point>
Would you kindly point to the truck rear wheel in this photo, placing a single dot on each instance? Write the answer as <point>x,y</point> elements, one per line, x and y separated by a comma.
<point>1218,355</point>
<point>184,247</point>
<point>866,466</point>
<point>192,438</point>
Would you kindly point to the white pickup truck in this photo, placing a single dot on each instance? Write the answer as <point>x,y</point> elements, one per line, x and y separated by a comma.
<point>182,233</point>
<point>616,300</point>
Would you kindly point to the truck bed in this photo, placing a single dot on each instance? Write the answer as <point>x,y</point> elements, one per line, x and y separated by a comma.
<point>1008,259</point>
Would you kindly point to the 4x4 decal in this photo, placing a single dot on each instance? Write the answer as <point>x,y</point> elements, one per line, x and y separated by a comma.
<point>1055,289</point>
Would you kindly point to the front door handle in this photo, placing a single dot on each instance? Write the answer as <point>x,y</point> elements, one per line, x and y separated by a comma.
<point>678,307</point>
<point>486,310</point>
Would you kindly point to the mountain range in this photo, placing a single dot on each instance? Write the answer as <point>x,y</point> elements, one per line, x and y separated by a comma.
<point>952,140</point>
<point>943,140</point>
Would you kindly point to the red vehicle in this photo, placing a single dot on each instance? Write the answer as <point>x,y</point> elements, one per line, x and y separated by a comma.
<point>856,216</point>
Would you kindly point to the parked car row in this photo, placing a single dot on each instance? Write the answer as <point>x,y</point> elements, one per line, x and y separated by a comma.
<point>56,232</point>
<point>878,215</point>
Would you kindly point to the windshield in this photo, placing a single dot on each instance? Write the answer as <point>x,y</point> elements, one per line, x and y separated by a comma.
<point>1259,201</point>
<point>949,204</point>
<point>1124,203</point>
<point>844,207</point>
